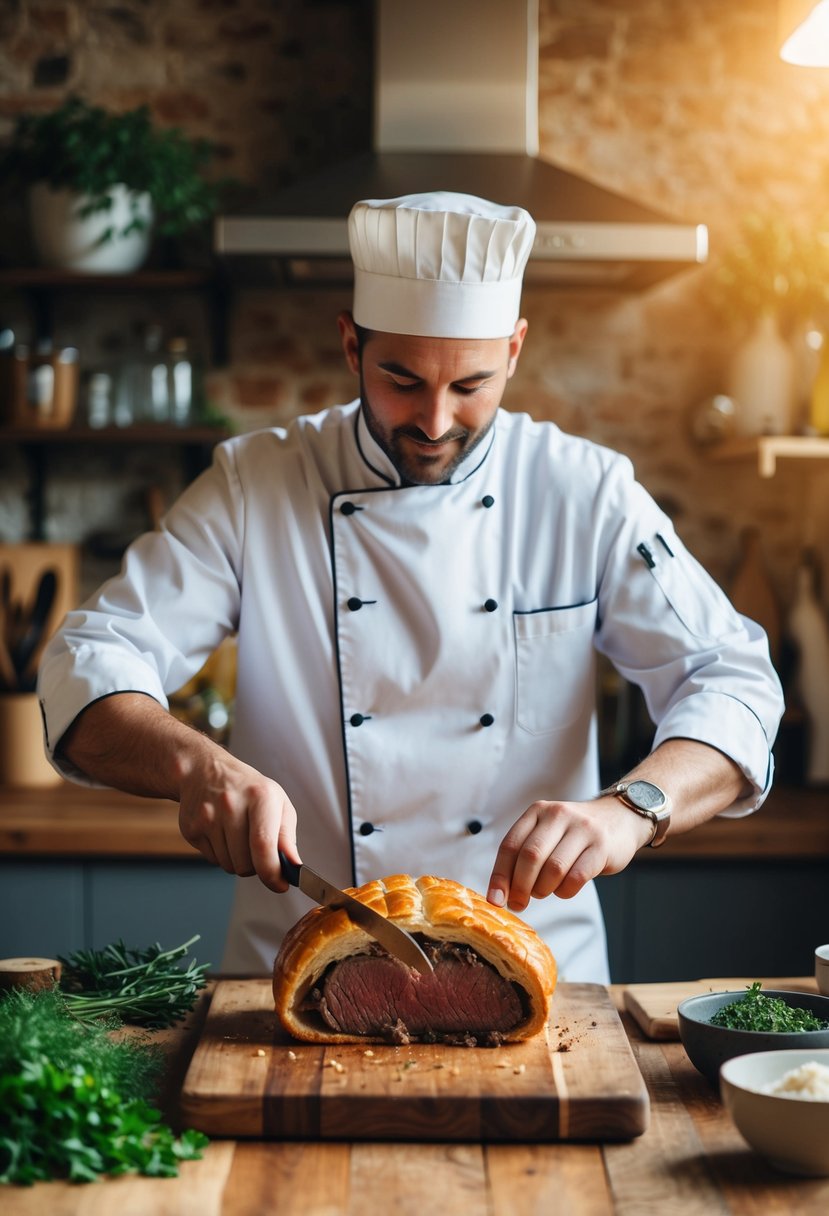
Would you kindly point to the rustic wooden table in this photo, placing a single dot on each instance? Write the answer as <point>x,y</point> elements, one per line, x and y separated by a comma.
<point>690,1161</point>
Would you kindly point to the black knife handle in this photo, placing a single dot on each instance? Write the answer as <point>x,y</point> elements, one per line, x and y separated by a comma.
<point>290,870</point>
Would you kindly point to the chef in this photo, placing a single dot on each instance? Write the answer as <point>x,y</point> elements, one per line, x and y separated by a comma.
<point>420,583</point>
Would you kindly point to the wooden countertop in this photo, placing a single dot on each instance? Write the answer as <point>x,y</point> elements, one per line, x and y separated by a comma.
<point>73,821</point>
<point>690,1162</point>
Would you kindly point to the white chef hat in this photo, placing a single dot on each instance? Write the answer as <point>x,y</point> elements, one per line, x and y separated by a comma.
<point>438,265</point>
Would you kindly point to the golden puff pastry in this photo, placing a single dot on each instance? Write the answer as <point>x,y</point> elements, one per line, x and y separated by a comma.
<point>333,984</point>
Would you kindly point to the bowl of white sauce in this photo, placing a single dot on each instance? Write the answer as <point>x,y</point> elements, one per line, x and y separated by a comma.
<point>779,1101</point>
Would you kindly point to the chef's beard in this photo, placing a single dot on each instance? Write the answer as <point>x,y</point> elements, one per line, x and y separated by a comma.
<point>413,472</point>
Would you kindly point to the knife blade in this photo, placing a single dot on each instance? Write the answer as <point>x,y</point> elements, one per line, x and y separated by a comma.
<point>396,940</point>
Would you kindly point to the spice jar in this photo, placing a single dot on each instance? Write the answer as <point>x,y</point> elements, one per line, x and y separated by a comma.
<point>44,386</point>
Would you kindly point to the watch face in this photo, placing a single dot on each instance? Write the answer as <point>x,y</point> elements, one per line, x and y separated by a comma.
<point>646,795</point>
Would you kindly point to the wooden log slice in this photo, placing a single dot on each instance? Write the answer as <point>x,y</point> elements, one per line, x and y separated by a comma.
<point>34,974</point>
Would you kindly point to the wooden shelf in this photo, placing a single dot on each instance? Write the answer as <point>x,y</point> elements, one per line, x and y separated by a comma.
<point>39,277</point>
<point>768,449</point>
<point>179,435</point>
<point>70,820</point>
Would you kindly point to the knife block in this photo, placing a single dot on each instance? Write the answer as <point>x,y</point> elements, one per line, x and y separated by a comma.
<point>21,568</point>
<point>23,762</point>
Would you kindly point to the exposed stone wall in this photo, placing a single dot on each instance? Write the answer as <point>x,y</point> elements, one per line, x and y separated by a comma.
<point>682,104</point>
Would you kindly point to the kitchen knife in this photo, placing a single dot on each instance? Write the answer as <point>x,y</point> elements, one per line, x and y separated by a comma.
<point>396,940</point>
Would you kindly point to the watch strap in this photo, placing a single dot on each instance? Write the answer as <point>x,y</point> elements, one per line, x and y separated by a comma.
<point>660,822</point>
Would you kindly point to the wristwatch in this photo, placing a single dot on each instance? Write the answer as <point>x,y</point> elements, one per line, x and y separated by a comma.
<point>648,800</point>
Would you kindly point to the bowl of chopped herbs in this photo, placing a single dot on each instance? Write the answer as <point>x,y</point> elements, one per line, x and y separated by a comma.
<point>716,1026</point>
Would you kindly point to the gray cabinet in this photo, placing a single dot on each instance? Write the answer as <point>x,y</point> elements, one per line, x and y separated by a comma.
<point>55,907</point>
<point>41,908</point>
<point>678,920</point>
<point>666,920</point>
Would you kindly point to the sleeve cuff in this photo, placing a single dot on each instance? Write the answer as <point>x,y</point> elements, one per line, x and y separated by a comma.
<point>711,717</point>
<point>72,680</point>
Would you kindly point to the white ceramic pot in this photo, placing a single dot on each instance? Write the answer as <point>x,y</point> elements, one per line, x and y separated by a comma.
<point>64,240</point>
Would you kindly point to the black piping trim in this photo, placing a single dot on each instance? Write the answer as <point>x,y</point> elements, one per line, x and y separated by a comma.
<point>349,807</point>
<point>754,714</point>
<point>553,607</point>
<point>366,460</point>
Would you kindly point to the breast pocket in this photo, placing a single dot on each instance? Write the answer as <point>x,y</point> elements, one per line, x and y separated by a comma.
<point>554,666</point>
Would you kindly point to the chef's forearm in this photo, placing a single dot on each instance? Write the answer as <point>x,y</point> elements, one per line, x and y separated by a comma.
<point>132,743</point>
<point>700,780</point>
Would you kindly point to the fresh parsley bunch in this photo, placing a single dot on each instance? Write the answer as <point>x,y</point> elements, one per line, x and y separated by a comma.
<point>74,1100</point>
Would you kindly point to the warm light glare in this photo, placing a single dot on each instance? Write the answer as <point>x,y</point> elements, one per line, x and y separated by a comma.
<point>808,46</point>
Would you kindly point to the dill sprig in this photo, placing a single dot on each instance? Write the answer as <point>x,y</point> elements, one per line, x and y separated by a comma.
<point>74,1098</point>
<point>144,987</point>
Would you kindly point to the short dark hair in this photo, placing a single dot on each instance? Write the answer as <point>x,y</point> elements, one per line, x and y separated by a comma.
<point>363,336</point>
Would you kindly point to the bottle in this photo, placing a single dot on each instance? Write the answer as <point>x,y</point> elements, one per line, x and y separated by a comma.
<point>142,391</point>
<point>810,633</point>
<point>154,386</point>
<point>7,345</point>
<point>818,423</point>
<point>99,400</point>
<point>183,382</point>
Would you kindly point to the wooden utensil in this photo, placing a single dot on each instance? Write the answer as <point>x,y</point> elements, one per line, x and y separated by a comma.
<point>8,675</point>
<point>33,634</point>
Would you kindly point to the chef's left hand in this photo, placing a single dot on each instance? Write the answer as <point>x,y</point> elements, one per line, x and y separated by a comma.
<point>556,847</point>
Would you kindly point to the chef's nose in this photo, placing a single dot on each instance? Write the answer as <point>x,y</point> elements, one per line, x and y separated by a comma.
<point>435,417</point>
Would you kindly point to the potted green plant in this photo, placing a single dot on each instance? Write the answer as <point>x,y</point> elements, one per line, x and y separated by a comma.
<point>762,284</point>
<point>767,269</point>
<point>101,183</point>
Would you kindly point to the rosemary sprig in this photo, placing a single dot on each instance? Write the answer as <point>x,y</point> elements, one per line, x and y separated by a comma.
<point>144,987</point>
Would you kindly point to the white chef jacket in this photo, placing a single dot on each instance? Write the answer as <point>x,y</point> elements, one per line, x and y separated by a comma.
<point>416,665</point>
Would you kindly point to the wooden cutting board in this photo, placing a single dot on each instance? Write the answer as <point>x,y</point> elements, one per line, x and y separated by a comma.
<point>579,1080</point>
<point>654,1005</point>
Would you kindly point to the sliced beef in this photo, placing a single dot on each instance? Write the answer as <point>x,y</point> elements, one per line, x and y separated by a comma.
<point>465,1001</point>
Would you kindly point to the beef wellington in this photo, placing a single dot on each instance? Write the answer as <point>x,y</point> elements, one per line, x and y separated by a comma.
<point>492,983</point>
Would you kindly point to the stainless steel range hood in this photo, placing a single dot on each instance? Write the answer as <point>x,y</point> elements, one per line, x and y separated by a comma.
<point>456,108</point>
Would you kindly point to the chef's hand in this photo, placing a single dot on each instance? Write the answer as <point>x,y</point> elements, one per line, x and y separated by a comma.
<point>556,847</point>
<point>237,818</point>
<point>228,811</point>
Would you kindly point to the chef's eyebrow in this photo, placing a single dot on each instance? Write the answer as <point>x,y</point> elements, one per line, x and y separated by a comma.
<point>397,369</point>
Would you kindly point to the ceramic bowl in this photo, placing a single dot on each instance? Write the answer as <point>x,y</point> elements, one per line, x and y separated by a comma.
<point>822,969</point>
<point>793,1133</point>
<point>708,1046</point>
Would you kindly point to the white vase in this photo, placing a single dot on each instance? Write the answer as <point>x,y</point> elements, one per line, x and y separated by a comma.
<point>65,240</point>
<point>762,380</point>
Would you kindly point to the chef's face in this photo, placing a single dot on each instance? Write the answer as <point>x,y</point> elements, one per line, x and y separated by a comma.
<point>429,401</point>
